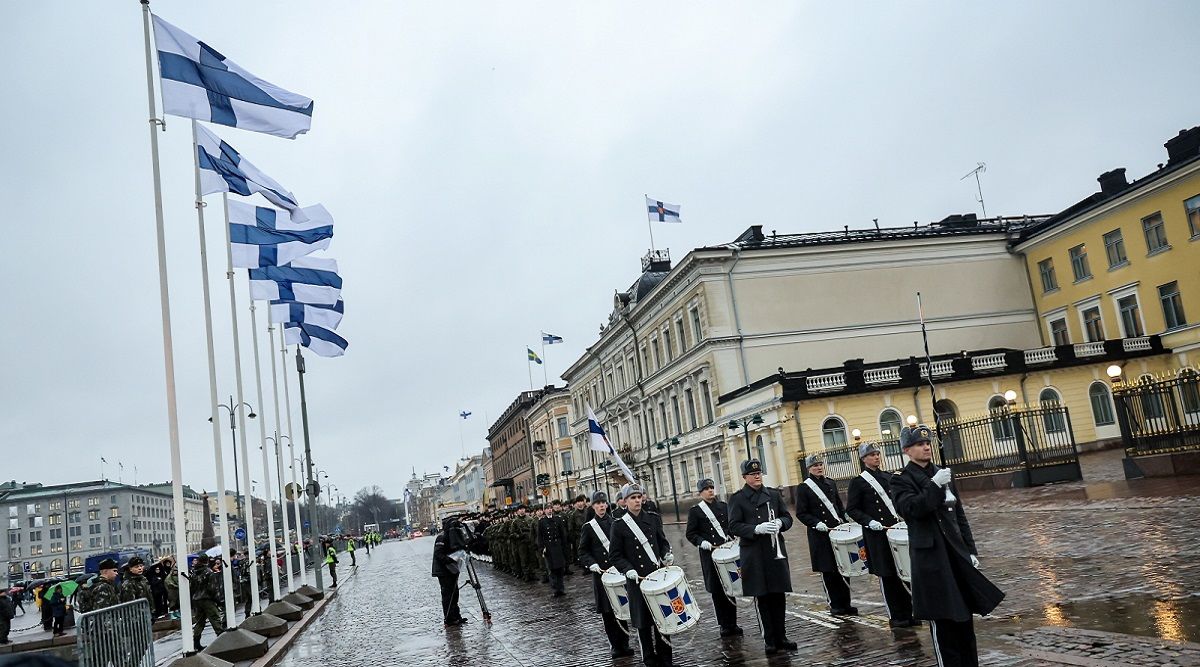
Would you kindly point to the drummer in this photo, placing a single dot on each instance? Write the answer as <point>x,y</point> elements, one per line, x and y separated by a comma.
<point>868,502</point>
<point>758,515</point>
<point>593,556</point>
<point>637,547</point>
<point>819,507</point>
<point>708,530</point>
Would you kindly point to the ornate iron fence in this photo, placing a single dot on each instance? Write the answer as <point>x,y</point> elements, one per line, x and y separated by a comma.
<point>1160,415</point>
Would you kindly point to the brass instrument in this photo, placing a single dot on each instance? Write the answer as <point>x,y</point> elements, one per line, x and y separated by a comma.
<point>774,536</point>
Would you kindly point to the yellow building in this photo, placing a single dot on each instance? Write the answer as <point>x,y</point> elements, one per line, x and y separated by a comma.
<point>549,427</point>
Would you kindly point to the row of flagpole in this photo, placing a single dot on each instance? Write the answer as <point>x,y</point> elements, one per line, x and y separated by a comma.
<point>197,82</point>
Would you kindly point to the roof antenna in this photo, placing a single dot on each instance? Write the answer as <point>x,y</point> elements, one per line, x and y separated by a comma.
<point>982,167</point>
<point>876,221</point>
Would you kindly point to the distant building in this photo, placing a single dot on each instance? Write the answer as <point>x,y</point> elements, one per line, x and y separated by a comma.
<point>465,484</point>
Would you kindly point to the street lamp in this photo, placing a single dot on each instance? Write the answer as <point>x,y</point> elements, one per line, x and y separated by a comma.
<point>233,437</point>
<point>744,424</point>
<point>1114,374</point>
<point>666,444</point>
<point>911,420</point>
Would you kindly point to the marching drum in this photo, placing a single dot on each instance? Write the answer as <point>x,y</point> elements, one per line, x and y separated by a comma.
<point>849,550</point>
<point>727,565</point>
<point>618,598</point>
<point>898,542</point>
<point>669,601</point>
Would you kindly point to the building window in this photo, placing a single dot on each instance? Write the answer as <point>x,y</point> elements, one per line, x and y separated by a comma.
<point>1131,318</point>
<point>889,425</point>
<point>1093,326</point>
<point>567,461</point>
<point>678,418</point>
<point>1172,305</point>
<point>697,331</point>
<point>1189,390</point>
<point>563,429</point>
<point>667,349</point>
<point>1046,269</point>
<point>1052,418</point>
<point>1193,215</point>
<point>1058,332</point>
<point>683,473</point>
<point>1156,233</point>
<point>760,452</point>
<point>1002,429</point>
<point>1114,249</point>
<point>706,400</point>
<point>833,433</point>
<point>690,401</point>
<point>1079,262</point>
<point>682,339</point>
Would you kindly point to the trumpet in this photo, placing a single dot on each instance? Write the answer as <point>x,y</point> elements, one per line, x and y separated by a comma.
<point>775,536</point>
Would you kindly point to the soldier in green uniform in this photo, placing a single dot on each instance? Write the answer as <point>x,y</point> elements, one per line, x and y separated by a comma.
<point>576,517</point>
<point>205,593</point>
<point>104,588</point>
<point>135,585</point>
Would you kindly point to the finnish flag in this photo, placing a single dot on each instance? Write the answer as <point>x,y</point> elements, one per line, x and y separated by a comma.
<point>262,236</point>
<point>329,317</point>
<point>222,169</point>
<point>307,280</point>
<point>198,82</point>
<point>662,211</point>
<point>321,341</point>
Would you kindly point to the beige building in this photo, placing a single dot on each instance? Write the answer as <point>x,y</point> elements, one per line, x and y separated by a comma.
<point>549,426</point>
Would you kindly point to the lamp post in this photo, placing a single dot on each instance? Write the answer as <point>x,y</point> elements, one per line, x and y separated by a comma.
<point>744,424</point>
<point>237,488</point>
<point>666,444</point>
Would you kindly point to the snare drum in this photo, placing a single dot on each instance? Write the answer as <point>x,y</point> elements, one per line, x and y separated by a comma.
<point>849,549</point>
<point>669,600</point>
<point>727,565</point>
<point>898,542</point>
<point>618,598</point>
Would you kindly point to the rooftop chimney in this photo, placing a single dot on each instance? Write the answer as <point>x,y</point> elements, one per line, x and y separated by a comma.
<point>1112,182</point>
<point>1183,146</point>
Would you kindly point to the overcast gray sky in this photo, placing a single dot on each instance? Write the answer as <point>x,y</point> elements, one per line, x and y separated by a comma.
<point>485,164</point>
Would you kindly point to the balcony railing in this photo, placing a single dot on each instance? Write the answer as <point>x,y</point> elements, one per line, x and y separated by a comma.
<point>830,382</point>
<point>988,362</point>
<point>1042,355</point>
<point>1140,344</point>
<point>887,375</point>
<point>1093,349</point>
<point>940,368</point>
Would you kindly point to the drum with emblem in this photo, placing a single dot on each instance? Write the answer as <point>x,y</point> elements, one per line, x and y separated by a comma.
<point>669,600</point>
<point>618,599</point>
<point>849,549</point>
<point>898,542</point>
<point>727,563</point>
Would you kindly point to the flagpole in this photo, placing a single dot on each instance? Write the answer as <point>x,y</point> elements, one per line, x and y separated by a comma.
<point>529,369</point>
<point>215,418</point>
<point>262,430</point>
<point>649,225</point>
<point>247,496</point>
<point>287,534</point>
<point>312,482</point>
<point>545,378</point>
<point>181,545</point>
<point>287,403</point>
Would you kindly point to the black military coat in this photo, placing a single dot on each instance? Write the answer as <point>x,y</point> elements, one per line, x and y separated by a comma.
<point>811,511</point>
<point>700,529</point>
<point>552,541</point>
<point>864,505</point>
<point>627,553</point>
<point>592,550</point>
<point>945,586</point>
<point>762,572</point>
<point>443,564</point>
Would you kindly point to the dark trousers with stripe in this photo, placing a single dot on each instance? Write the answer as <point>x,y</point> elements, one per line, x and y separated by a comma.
<point>954,643</point>
<point>655,649</point>
<point>896,598</point>
<point>772,613</point>
<point>726,610</point>
<point>618,636</point>
<point>837,590</point>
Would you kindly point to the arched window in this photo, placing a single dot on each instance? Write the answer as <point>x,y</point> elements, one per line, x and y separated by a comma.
<point>76,561</point>
<point>833,433</point>
<point>889,425</point>
<point>1002,425</point>
<point>56,565</point>
<point>1052,414</point>
<point>760,452</point>
<point>947,413</point>
<point>1151,399</point>
<point>1189,390</point>
<point>1102,411</point>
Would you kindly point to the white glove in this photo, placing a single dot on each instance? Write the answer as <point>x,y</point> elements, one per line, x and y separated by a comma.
<point>668,558</point>
<point>631,575</point>
<point>875,525</point>
<point>821,527</point>
<point>942,477</point>
<point>975,561</point>
<point>594,568</point>
<point>764,528</point>
<point>706,545</point>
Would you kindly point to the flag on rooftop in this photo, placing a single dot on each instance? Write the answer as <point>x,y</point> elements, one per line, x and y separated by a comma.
<point>320,340</point>
<point>598,442</point>
<point>662,211</point>
<point>329,317</point>
<point>550,339</point>
<point>533,357</point>
<point>256,240</point>
<point>222,169</point>
<point>198,82</point>
<point>307,280</point>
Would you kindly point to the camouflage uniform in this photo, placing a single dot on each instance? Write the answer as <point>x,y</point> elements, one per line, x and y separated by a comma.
<point>104,594</point>
<point>135,586</point>
<point>205,594</point>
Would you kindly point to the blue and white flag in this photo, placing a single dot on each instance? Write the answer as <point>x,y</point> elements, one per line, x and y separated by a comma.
<point>321,341</point>
<point>598,442</point>
<point>222,169</point>
<point>662,211</point>
<point>256,239</point>
<point>550,339</point>
<point>198,82</point>
<point>306,280</point>
<point>329,317</point>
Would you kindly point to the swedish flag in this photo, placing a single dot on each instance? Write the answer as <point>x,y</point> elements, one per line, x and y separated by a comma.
<point>532,356</point>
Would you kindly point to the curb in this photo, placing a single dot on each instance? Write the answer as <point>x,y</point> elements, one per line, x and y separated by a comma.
<point>280,647</point>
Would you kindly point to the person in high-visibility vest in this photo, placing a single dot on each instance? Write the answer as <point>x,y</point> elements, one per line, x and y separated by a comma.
<point>331,560</point>
<point>350,550</point>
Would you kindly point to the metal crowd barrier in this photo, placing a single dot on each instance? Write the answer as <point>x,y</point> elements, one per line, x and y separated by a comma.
<point>117,636</point>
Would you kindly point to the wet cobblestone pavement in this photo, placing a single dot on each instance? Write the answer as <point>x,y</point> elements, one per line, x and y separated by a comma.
<point>1078,562</point>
